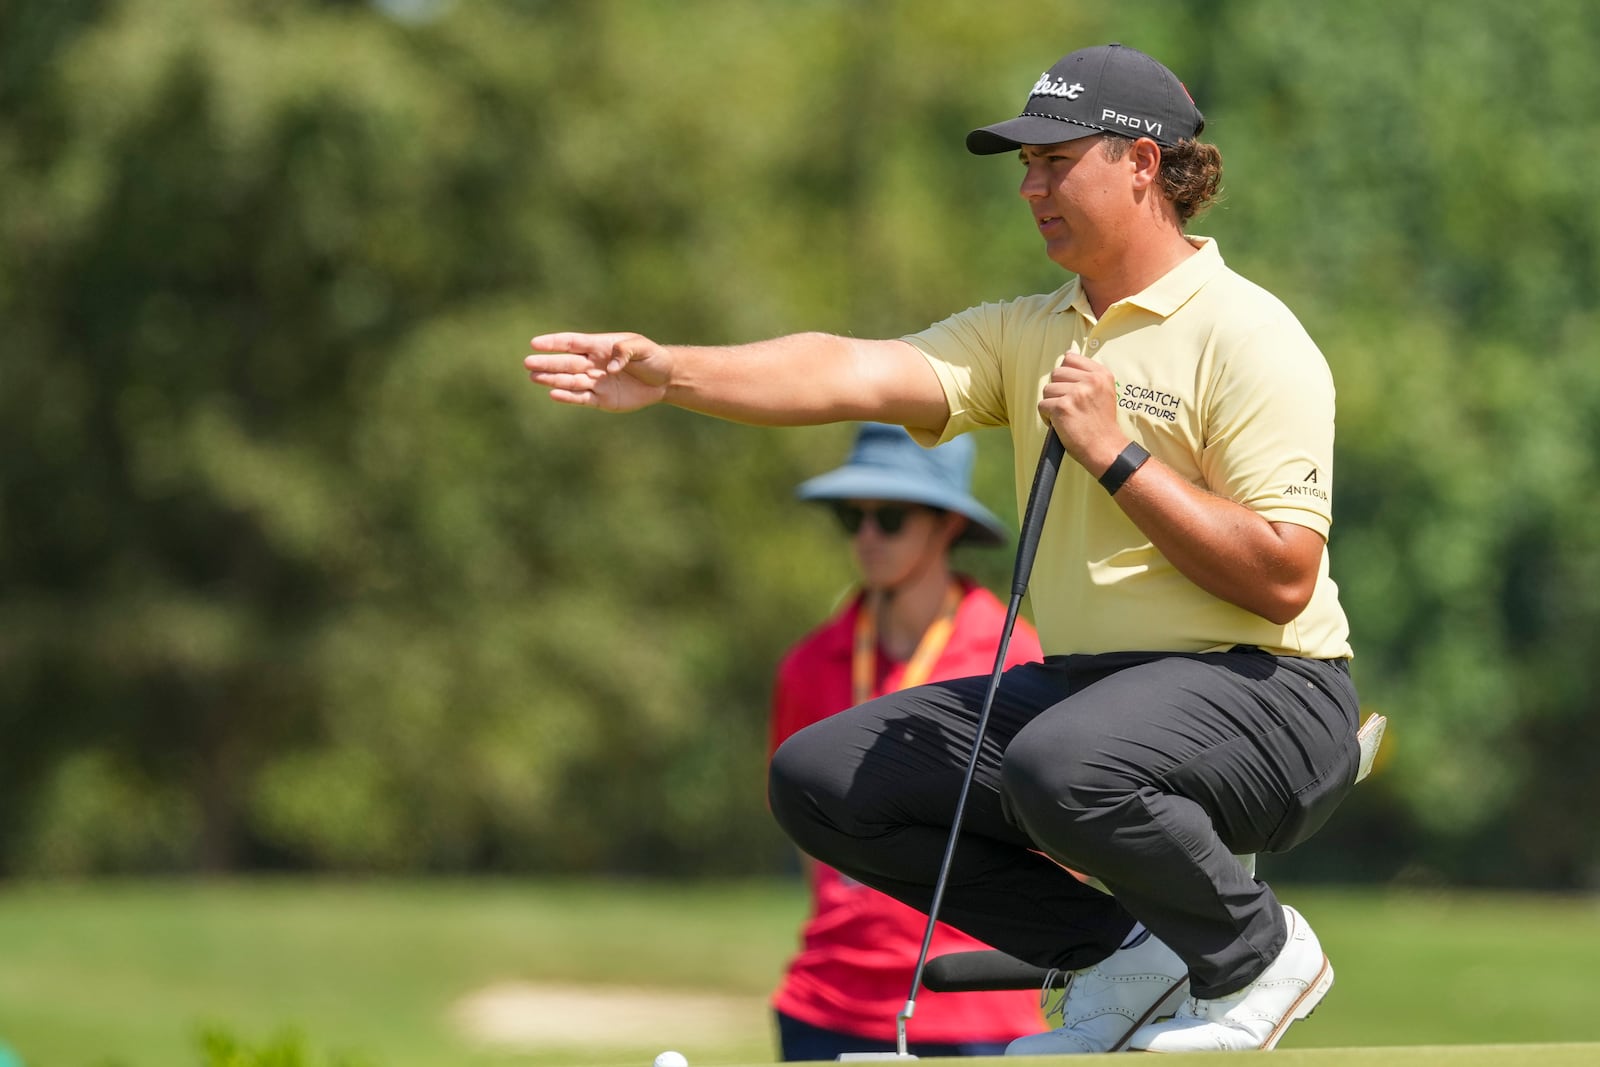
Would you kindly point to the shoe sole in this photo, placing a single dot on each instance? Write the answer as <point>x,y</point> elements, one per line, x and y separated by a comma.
<point>1168,1004</point>
<point>1307,1003</point>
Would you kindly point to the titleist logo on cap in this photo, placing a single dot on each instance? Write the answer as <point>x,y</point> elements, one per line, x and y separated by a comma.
<point>1048,86</point>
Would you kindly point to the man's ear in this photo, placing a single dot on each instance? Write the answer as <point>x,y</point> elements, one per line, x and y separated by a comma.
<point>955,525</point>
<point>1145,157</point>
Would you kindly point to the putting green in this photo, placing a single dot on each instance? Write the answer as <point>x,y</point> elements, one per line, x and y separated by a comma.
<point>1563,1055</point>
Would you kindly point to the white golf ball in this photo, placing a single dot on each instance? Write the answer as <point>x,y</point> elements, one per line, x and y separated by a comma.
<point>671,1059</point>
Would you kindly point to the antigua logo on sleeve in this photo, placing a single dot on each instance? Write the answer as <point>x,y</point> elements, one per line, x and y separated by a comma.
<point>1310,486</point>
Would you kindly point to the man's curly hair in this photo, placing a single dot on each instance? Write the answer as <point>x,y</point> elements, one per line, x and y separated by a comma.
<point>1191,173</point>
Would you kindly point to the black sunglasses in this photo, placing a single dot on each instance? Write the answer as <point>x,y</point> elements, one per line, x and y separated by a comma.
<point>890,519</point>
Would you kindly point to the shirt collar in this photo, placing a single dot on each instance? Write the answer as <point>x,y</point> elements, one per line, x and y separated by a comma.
<point>1166,294</point>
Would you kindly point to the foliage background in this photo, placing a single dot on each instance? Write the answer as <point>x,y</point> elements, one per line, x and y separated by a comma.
<point>298,572</point>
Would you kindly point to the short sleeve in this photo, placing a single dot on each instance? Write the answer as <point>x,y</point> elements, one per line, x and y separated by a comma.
<point>964,351</point>
<point>1270,424</point>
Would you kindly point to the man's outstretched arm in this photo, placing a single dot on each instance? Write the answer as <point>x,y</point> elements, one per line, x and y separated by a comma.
<point>800,379</point>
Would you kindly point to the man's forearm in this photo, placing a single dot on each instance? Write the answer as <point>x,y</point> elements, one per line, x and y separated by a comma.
<point>1226,549</point>
<point>807,378</point>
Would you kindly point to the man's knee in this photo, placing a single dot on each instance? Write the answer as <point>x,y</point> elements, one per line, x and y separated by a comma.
<point>1049,788</point>
<point>808,791</point>
<point>789,794</point>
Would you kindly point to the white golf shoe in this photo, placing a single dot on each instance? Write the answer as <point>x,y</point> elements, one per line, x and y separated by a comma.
<point>1104,1004</point>
<point>1256,1016</point>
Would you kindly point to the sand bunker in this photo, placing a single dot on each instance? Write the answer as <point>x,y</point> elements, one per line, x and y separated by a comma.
<point>531,1015</point>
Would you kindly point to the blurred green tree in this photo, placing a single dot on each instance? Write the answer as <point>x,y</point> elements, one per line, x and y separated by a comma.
<point>295,571</point>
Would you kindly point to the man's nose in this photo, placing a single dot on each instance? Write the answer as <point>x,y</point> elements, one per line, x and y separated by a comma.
<point>1033,185</point>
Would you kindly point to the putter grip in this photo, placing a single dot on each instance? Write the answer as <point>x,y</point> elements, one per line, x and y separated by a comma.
<point>982,971</point>
<point>1044,481</point>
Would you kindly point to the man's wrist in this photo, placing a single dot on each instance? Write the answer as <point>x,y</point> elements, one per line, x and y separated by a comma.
<point>1128,460</point>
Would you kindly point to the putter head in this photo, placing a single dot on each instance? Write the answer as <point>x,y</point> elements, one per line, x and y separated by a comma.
<point>857,1057</point>
<point>1369,737</point>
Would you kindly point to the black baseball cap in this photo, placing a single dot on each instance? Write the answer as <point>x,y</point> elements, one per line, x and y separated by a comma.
<point>1109,88</point>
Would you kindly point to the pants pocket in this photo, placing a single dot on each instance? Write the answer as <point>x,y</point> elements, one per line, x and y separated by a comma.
<point>1313,804</point>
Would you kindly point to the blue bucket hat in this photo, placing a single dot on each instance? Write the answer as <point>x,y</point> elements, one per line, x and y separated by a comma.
<point>886,464</point>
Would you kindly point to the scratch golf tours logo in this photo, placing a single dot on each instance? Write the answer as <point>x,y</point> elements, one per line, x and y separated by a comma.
<point>1146,400</point>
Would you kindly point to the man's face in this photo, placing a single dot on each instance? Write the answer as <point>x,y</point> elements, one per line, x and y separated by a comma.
<point>1079,200</point>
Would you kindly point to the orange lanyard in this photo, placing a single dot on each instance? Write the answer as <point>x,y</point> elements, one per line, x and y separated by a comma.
<point>864,656</point>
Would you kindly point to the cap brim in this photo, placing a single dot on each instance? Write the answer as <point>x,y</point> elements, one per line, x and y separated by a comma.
<point>1012,134</point>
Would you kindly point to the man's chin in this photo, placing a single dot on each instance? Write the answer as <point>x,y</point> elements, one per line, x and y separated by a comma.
<point>1060,253</point>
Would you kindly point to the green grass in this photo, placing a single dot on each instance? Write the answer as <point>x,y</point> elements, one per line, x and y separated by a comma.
<point>125,974</point>
<point>1539,1055</point>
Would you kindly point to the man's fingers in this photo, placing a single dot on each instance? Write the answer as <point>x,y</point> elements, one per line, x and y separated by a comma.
<point>579,389</point>
<point>566,382</point>
<point>547,363</point>
<point>1074,369</point>
<point>588,344</point>
<point>610,350</point>
<point>585,398</point>
<point>592,369</point>
<point>1075,362</point>
<point>1072,360</point>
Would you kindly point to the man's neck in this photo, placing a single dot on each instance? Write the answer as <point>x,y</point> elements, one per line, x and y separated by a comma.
<point>906,611</point>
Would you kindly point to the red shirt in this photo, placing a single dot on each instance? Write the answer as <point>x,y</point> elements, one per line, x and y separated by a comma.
<point>859,947</point>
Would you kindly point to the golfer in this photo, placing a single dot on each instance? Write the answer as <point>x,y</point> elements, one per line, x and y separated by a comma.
<point>1195,700</point>
<point>912,620</point>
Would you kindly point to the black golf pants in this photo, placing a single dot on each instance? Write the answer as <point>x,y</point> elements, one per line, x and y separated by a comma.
<point>1148,771</point>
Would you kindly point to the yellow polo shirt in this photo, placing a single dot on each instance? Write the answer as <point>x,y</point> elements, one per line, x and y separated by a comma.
<point>1220,382</point>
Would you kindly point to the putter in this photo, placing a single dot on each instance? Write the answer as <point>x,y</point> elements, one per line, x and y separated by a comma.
<point>1044,480</point>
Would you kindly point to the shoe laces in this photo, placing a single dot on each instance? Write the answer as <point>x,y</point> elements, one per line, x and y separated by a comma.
<point>1053,997</point>
<point>1054,1001</point>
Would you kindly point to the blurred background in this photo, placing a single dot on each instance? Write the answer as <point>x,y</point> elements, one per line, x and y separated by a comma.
<point>300,576</point>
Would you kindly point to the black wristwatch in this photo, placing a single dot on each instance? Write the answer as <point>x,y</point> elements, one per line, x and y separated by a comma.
<point>1128,460</point>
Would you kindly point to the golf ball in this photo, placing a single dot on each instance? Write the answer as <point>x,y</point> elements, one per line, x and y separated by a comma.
<point>671,1059</point>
